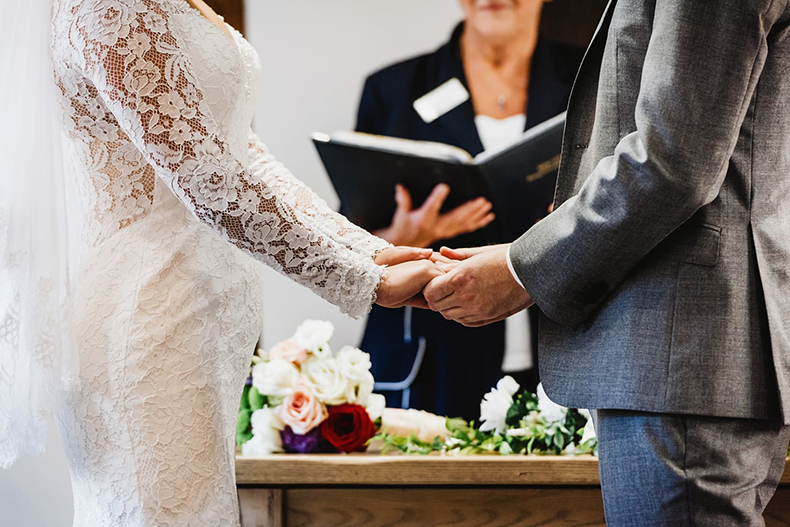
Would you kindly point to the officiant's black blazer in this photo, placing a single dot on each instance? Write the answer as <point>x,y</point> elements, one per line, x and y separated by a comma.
<point>461,364</point>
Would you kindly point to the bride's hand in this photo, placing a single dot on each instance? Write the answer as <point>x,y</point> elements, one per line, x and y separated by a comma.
<point>403,283</point>
<point>396,255</point>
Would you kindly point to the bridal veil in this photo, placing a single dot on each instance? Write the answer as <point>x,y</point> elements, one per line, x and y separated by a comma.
<point>37,355</point>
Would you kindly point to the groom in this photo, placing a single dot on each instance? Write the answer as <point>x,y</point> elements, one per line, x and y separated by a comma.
<point>663,275</point>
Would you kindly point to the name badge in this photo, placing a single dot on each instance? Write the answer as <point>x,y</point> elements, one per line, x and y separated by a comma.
<point>441,100</point>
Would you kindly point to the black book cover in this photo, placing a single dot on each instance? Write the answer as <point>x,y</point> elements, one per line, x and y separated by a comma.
<point>519,180</point>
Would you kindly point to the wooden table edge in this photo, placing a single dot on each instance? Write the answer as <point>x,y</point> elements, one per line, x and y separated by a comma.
<point>381,470</point>
<point>334,469</point>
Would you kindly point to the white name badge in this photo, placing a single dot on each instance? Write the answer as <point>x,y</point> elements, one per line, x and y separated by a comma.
<point>441,100</point>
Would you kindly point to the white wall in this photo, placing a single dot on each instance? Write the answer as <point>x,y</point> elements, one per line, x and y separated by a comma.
<point>316,54</point>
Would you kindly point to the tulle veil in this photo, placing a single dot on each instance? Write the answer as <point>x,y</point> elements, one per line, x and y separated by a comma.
<point>38,356</point>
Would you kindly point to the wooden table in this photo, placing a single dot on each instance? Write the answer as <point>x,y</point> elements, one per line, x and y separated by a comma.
<point>374,490</point>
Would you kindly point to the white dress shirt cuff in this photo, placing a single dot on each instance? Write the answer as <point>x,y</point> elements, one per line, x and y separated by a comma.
<point>512,270</point>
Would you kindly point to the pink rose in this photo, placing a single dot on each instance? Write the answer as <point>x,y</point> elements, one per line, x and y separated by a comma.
<point>290,351</point>
<point>301,410</point>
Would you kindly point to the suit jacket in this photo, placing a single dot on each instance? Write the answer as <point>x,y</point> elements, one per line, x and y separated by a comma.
<point>664,274</point>
<point>461,364</point>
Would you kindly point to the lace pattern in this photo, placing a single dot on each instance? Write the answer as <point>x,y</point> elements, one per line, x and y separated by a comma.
<point>302,198</point>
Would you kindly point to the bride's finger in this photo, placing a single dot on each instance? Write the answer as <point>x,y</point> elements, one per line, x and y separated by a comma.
<point>448,266</point>
<point>417,301</point>
<point>438,257</point>
<point>396,255</point>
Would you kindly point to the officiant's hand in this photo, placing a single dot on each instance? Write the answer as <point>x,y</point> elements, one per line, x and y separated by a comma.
<point>478,288</point>
<point>403,283</point>
<point>423,226</point>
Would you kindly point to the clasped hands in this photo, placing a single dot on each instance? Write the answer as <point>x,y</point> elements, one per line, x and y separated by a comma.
<point>471,286</point>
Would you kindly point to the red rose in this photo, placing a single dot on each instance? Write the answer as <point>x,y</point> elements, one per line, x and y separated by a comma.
<point>348,427</point>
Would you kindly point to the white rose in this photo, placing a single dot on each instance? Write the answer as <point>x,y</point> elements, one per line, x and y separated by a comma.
<point>359,391</point>
<point>496,403</point>
<point>264,420</point>
<point>314,336</point>
<point>354,362</point>
<point>324,377</point>
<point>589,428</point>
<point>375,406</point>
<point>550,411</point>
<point>266,427</point>
<point>275,378</point>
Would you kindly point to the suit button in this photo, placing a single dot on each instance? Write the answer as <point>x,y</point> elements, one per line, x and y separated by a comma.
<point>580,146</point>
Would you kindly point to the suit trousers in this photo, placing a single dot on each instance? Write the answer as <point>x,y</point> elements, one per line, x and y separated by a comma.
<point>663,469</point>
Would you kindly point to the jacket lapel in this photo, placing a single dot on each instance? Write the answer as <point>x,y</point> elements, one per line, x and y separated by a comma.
<point>581,108</point>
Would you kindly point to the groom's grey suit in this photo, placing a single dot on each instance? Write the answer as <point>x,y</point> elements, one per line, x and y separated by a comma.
<point>664,272</point>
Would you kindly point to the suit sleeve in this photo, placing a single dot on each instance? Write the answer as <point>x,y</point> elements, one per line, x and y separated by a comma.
<point>699,75</point>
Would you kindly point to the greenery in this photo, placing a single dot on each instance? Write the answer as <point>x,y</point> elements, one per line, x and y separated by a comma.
<point>528,432</point>
<point>251,400</point>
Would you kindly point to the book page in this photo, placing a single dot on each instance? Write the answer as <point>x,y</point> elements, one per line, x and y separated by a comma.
<point>425,149</point>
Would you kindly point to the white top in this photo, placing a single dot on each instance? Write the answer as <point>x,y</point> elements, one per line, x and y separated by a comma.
<point>498,133</point>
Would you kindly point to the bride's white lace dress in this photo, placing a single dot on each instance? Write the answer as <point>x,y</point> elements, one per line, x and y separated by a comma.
<point>177,195</point>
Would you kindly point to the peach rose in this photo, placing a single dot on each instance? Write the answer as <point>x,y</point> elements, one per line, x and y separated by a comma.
<point>301,410</point>
<point>289,350</point>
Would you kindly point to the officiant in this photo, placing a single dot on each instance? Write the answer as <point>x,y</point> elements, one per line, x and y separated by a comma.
<point>496,77</point>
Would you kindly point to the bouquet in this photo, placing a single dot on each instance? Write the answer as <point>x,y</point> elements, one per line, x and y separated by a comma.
<point>303,399</point>
<point>511,423</point>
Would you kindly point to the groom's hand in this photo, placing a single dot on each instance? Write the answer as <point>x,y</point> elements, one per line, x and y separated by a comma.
<point>479,290</point>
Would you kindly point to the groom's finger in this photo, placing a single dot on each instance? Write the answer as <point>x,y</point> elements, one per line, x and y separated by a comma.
<point>449,302</point>
<point>437,257</point>
<point>438,289</point>
<point>463,254</point>
<point>454,313</point>
<point>455,254</point>
<point>476,321</point>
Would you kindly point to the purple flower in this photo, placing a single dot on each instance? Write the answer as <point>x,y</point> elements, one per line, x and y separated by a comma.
<point>310,443</point>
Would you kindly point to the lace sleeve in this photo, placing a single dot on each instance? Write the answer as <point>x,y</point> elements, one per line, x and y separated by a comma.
<point>131,53</point>
<point>263,166</point>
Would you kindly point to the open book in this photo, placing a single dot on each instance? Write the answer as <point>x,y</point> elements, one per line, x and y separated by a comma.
<point>518,179</point>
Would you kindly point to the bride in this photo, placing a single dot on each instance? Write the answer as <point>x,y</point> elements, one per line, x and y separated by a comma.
<point>144,338</point>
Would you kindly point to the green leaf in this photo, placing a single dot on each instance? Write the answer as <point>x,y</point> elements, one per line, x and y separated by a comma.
<point>256,400</point>
<point>456,424</point>
<point>243,428</point>
<point>245,398</point>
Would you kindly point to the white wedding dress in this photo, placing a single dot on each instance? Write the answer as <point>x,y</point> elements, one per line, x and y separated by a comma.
<point>179,199</point>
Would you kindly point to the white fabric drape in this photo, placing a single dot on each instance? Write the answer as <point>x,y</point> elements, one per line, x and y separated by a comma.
<point>37,357</point>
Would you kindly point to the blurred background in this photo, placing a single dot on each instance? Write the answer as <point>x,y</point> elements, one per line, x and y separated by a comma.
<point>315,55</point>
